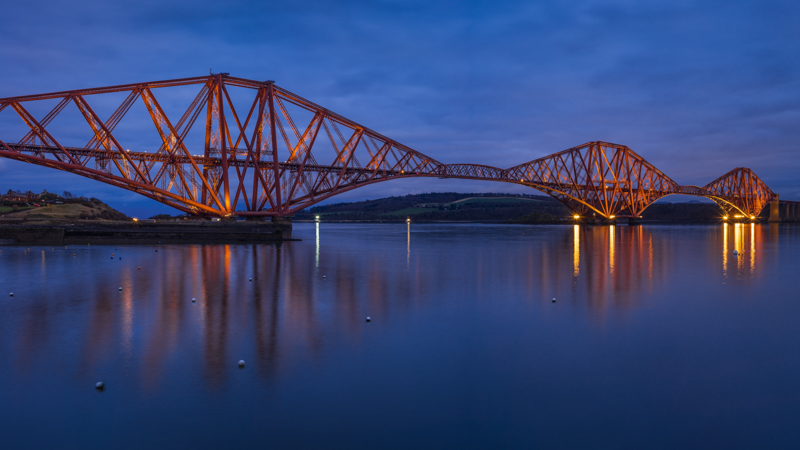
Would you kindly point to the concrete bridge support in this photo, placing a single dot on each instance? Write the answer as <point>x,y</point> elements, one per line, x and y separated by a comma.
<point>775,210</point>
<point>790,211</point>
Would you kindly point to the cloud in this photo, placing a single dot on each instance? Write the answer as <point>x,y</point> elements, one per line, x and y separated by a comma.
<point>697,88</point>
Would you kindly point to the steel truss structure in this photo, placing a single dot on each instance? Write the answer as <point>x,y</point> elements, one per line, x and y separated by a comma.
<point>256,161</point>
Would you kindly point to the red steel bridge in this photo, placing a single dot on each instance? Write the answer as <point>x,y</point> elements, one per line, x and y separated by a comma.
<point>260,150</point>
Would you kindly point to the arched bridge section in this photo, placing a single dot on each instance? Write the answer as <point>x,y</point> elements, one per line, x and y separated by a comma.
<point>250,148</point>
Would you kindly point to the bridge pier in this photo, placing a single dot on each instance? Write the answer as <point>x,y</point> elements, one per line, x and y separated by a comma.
<point>285,220</point>
<point>284,225</point>
<point>775,210</point>
<point>633,221</point>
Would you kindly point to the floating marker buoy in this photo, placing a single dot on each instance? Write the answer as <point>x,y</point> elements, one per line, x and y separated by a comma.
<point>112,257</point>
<point>368,319</point>
<point>11,294</point>
<point>735,252</point>
<point>193,300</point>
<point>156,251</point>
<point>99,385</point>
<point>241,363</point>
<point>138,268</point>
<point>120,288</point>
<point>554,299</point>
<point>251,279</point>
<point>120,257</point>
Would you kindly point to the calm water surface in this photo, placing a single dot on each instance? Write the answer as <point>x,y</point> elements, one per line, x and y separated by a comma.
<point>659,338</point>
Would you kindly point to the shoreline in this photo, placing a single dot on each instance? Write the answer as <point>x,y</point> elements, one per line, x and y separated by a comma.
<point>126,232</point>
<point>491,222</point>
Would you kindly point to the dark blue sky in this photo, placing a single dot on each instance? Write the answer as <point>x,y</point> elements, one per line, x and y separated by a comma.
<point>697,88</point>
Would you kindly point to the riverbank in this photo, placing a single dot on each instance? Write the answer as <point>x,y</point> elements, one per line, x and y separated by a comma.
<point>14,231</point>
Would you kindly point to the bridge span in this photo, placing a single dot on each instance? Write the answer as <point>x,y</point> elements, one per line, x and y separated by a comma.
<point>249,157</point>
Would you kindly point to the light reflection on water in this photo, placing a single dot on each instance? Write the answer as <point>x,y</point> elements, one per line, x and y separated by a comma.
<point>68,324</point>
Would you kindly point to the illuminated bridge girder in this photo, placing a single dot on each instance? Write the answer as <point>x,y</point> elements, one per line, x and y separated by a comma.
<point>220,159</point>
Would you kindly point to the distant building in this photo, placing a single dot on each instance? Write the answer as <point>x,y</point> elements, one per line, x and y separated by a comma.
<point>16,196</point>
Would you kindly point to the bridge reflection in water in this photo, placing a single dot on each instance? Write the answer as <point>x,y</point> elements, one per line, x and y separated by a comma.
<point>289,315</point>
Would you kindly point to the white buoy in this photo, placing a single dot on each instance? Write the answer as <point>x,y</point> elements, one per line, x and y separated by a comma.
<point>368,319</point>
<point>120,288</point>
<point>735,252</point>
<point>193,300</point>
<point>11,294</point>
<point>99,385</point>
<point>251,279</point>
<point>241,363</point>
<point>554,299</point>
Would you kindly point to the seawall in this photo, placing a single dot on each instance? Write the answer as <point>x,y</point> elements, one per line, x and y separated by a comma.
<point>108,232</point>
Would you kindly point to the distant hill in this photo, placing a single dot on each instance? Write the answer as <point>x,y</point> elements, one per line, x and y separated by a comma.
<point>74,210</point>
<point>692,211</point>
<point>511,208</point>
<point>445,206</point>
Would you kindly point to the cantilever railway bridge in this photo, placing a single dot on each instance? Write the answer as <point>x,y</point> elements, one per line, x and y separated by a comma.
<point>278,153</point>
